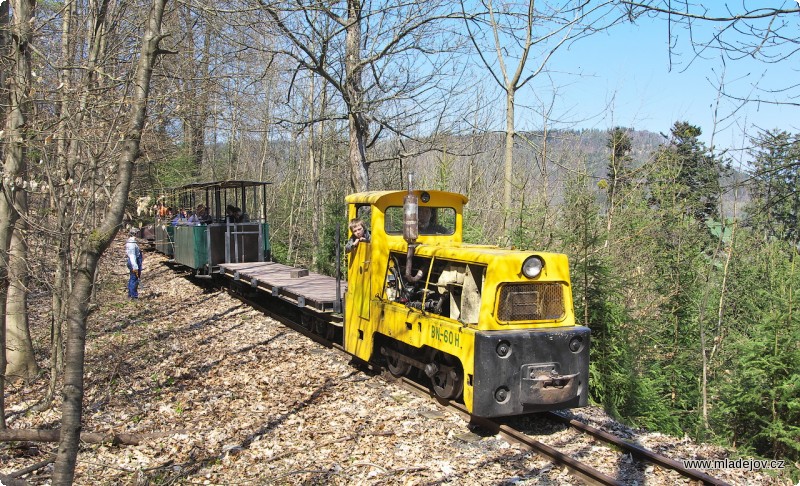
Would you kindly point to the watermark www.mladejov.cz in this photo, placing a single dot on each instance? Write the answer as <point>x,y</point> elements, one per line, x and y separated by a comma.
<point>749,464</point>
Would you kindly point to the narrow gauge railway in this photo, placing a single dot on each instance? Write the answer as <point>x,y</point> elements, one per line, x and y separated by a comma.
<point>582,470</point>
<point>491,330</point>
<point>491,327</point>
<point>287,313</point>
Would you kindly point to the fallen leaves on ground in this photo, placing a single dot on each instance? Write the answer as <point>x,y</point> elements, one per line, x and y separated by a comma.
<point>237,398</point>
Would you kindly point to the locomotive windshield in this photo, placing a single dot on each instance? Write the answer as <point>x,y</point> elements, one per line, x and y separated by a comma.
<point>432,220</point>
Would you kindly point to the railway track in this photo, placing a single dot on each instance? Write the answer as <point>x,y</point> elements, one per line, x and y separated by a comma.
<point>581,470</point>
<point>585,472</point>
<point>636,450</point>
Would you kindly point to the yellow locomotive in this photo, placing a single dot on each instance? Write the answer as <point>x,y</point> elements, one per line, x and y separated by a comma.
<point>492,325</point>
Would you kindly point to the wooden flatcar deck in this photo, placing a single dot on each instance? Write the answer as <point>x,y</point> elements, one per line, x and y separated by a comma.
<point>313,290</point>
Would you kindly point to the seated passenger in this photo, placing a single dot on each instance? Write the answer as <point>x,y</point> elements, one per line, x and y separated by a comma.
<point>191,218</point>
<point>233,214</point>
<point>163,210</point>
<point>360,233</point>
<point>202,214</point>
<point>180,218</point>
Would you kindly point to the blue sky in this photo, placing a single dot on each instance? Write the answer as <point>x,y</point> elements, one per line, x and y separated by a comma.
<point>622,77</point>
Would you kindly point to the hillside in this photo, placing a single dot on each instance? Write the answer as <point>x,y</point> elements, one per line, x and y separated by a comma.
<point>220,394</point>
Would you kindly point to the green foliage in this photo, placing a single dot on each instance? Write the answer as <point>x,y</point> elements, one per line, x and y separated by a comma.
<point>721,231</point>
<point>613,379</point>
<point>759,391</point>
<point>528,228</point>
<point>472,231</point>
<point>596,293</point>
<point>176,171</point>
<point>619,171</point>
<point>775,206</point>
<point>686,176</point>
<point>326,252</point>
<point>652,409</point>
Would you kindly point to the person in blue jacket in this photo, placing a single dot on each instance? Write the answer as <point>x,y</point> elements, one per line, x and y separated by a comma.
<point>133,258</point>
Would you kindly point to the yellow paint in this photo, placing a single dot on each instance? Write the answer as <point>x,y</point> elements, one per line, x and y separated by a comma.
<point>368,311</point>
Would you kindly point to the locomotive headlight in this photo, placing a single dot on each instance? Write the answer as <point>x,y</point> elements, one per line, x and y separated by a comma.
<point>532,267</point>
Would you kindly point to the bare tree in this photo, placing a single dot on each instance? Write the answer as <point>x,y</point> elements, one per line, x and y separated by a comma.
<point>94,246</point>
<point>21,361</point>
<point>737,31</point>
<point>375,56</point>
<point>15,142</point>
<point>529,36</point>
<point>192,77</point>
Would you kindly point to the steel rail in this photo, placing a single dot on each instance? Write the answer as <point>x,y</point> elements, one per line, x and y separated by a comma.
<point>639,451</point>
<point>583,471</point>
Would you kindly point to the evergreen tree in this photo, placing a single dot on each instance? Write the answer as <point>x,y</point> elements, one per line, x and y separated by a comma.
<point>684,193</point>
<point>775,190</point>
<point>687,174</point>
<point>619,172</point>
<point>759,405</point>
<point>597,300</point>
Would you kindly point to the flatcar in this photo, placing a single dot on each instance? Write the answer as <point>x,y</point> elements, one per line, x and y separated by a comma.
<point>493,327</point>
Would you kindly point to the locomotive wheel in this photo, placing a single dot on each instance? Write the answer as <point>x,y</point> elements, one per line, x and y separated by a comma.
<point>448,381</point>
<point>397,367</point>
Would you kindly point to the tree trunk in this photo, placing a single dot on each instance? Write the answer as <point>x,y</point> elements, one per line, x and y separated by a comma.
<point>60,291</point>
<point>5,49</point>
<point>66,147</point>
<point>19,105</point>
<point>354,94</point>
<point>508,160</point>
<point>52,435</point>
<point>21,361</point>
<point>99,239</point>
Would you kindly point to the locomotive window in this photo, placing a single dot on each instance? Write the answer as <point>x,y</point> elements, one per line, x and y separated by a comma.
<point>364,213</point>
<point>440,221</point>
<point>393,221</point>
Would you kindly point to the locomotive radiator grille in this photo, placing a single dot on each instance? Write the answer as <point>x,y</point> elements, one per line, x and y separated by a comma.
<point>531,302</point>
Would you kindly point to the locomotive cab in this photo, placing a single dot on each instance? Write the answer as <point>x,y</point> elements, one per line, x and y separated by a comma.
<point>492,326</point>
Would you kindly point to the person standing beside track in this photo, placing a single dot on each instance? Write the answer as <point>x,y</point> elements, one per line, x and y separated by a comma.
<point>134,261</point>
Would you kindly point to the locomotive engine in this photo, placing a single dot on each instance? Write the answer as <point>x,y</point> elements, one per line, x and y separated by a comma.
<point>492,326</point>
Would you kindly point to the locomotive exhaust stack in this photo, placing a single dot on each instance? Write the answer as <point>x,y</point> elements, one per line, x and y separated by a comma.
<point>411,231</point>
